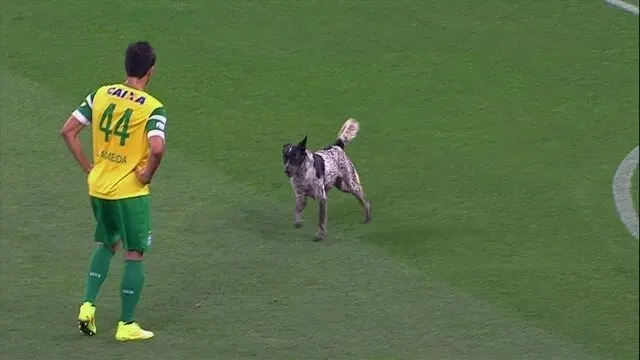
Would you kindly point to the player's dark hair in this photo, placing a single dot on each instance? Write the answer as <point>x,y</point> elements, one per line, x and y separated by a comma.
<point>139,58</point>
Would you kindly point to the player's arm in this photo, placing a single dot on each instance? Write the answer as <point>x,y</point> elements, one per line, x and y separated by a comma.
<point>156,129</point>
<point>80,118</point>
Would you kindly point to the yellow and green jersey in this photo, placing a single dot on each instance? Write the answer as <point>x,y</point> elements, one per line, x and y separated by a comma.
<point>122,118</point>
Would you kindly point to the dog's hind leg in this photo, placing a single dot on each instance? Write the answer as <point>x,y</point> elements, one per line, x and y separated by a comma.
<point>355,188</point>
<point>301,203</point>
<point>358,192</point>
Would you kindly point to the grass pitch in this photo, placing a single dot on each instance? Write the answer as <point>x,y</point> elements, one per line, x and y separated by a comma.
<point>490,134</point>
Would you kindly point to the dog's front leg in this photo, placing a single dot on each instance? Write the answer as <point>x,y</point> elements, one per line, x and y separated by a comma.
<point>301,203</point>
<point>322,221</point>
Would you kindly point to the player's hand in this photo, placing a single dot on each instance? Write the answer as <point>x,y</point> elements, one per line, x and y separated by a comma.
<point>87,170</point>
<point>143,176</point>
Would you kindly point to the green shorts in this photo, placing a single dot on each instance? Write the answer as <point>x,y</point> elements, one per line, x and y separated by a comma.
<point>128,220</point>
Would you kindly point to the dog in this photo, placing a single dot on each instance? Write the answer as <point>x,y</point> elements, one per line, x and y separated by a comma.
<point>313,174</point>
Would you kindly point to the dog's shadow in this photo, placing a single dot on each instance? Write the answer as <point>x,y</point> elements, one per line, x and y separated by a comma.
<point>279,225</point>
<point>270,224</point>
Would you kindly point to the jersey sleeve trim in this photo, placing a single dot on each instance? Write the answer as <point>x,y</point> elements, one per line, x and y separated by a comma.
<point>84,112</point>
<point>160,118</point>
<point>157,122</point>
<point>159,113</point>
<point>154,132</point>
<point>80,117</point>
<point>90,98</point>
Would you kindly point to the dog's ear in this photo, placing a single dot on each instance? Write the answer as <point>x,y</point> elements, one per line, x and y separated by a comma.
<point>285,146</point>
<point>303,143</point>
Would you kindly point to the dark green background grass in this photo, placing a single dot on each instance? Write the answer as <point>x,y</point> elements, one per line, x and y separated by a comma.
<point>490,135</point>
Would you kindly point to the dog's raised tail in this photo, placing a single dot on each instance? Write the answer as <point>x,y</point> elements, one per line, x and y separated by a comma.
<point>348,132</point>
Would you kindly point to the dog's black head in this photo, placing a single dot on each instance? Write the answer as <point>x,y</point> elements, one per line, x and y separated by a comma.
<point>293,156</point>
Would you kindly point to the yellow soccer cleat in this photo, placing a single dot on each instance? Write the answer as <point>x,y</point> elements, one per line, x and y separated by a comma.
<point>133,331</point>
<point>87,319</point>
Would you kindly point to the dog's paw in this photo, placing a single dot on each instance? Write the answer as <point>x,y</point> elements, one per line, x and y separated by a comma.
<point>297,225</point>
<point>319,236</point>
<point>367,214</point>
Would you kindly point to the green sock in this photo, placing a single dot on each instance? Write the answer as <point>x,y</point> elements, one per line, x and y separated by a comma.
<point>132,281</point>
<point>97,273</point>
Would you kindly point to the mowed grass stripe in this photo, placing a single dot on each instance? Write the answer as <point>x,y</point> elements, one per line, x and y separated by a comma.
<point>227,277</point>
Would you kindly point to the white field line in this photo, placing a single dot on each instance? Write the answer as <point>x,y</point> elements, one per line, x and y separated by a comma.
<point>622,180</point>
<point>622,185</point>
<point>624,6</point>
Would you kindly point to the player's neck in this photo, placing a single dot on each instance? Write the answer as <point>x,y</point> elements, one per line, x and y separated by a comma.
<point>135,83</point>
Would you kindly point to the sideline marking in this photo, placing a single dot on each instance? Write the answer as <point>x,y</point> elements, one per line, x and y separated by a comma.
<point>624,6</point>
<point>622,184</point>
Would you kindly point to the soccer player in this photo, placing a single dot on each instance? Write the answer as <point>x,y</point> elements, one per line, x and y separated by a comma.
<point>128,131</point>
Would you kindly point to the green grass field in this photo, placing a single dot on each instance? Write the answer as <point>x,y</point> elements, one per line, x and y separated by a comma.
<point>491,131</point>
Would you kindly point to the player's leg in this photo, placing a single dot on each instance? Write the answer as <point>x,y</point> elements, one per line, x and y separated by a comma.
<point>136,226</point>
<point>106,237</point>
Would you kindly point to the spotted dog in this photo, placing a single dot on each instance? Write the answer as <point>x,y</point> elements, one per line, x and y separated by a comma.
<point>313,174</point>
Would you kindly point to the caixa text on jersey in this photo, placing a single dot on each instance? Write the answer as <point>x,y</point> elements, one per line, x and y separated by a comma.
<point>123,94</point>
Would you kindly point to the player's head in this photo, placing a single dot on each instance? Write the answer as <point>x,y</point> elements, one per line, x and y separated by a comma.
<point>140,60</point>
